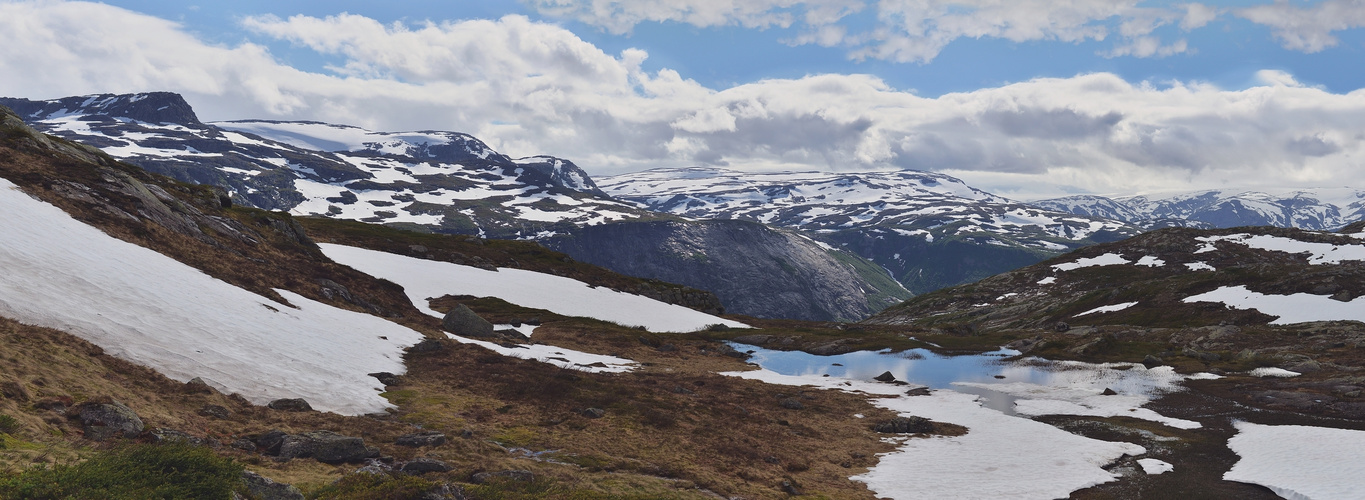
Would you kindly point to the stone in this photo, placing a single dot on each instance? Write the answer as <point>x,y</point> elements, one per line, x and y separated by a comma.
<point>524,476</point>
<point>904,425</point>
<point>427,346</point>
<point>791,404</point>
<point>290,404</point>
<point>244,444</point>
<point>1108,392</point>
<point>593,412</point>
<point>387,378</point>
<point>462,321</point>
<point>1151,361</point>
<point>419,439</point>
<point>163,435</point>
<point>419,466</point>
<point>325,446</point>
<point>198,385</point>
<point>264,488</point>
<point>215,411</point>
<point>885,377</point>
<point>791,488</point>
<point>102,421</point>
<point>754,339</point>
<point>1061,326</point>
<point>270,442</point>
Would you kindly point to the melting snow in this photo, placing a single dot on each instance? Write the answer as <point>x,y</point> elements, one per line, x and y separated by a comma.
<point>1299,462</point>
<point>1199,266</point>
<point>1106,309</point>
<point>1318,253</point>
<point>1150,261</point>
<point>1152,466</point>
<point>1296,308</point>
<point>145,307</point>
<point>1270,371</point>
<point>1109,259</point>
<point>425,279</point>
<point>558,356</point>
<point>1048,280</point>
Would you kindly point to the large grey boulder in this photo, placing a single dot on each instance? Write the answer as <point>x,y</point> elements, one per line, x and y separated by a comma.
<point>325,446</point>
<point>102,421</point>
<point>264,488</point>
<point>463,322</point>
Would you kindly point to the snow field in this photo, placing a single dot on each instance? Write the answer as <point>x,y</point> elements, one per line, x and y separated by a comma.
<point>1108,259</point>
<point>1296,308</point>
<point>425,279</point>
<point>1001,456</point>
<point>1318,253</point>
<point>1152,466</point>
<point>1107,309</point>
<point>1300,462</point>
<point>147,308</point>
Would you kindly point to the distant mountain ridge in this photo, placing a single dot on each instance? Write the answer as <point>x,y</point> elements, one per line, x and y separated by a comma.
<point>1315,209</point>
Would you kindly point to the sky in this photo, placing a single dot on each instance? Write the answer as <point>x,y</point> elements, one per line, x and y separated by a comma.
<point>1024,98</point>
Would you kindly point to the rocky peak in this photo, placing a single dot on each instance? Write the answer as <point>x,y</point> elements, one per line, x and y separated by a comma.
<point>149,107</point>
<point>563,173</point>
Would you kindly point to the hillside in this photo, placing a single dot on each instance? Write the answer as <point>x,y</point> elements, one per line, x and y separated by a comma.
<point>928,230</point>
<point>1313,209</point>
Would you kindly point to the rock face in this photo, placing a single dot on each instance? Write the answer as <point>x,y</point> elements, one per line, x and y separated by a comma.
<point>464,322</point>
<point>753,269</point>
<point>325,446</point>
<point>102,421</point>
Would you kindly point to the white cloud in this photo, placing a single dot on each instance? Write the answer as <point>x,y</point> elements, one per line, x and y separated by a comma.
<point>534,88</point>
<point>1308,29</point>
<point>1197,16</point>
<point>1148,46</point>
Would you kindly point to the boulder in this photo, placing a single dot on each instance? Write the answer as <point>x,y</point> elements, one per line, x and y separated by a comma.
<point>419,439</point>
<point>419,466</point>
<point>885,377</point>
<point>269,443</point>
<point>387,378</point>
<point>791,404</point>
<point>326,447</point>
<point>1151,361</point>
<point>291,404</point>
<point>901,425</point>
<point>593,412</point>
<point>102,421</point>
<point>1109,392</point>
<point>427,345</point>
<point>264,488</point>
<point>198,385</point>
<point>464,322</point>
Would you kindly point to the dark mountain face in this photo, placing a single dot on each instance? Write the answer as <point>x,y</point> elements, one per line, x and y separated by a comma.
<point>152,107</point>
<point>753,269</point>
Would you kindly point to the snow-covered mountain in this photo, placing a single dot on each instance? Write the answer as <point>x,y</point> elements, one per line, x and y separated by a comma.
<point>930,230</point>
<point>445,181</point>
<point>1318,209</point>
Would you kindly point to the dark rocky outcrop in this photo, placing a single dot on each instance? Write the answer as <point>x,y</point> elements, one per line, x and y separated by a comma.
<point>419,439</point>
<point>263,488</point>
<point>904,425</point>
<point>290,404</point>
<point>421,465</point>
<point>102,421</point>
<point>325,446</point>
<point>754,270</point>
<point>464,322</point>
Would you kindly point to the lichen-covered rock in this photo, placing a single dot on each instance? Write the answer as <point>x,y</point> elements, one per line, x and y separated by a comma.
<point>325,446</point>
<point>464,322</point>
<point>290,404</point>
<point>418,466</point>
<point>102,421</point>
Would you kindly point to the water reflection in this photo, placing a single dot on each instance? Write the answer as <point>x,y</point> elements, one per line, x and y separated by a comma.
<point>974,373</point>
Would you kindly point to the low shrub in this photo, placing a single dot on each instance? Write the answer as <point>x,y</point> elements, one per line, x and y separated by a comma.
<point>137,471</point>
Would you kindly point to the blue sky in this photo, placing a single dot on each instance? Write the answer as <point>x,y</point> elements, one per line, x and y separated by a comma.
<point>1028,98</point>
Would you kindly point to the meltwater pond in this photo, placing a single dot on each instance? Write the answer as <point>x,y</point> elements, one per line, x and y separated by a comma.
<point>999,380</point>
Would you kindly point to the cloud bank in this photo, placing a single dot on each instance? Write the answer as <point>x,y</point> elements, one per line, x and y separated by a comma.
<point>535,88</point>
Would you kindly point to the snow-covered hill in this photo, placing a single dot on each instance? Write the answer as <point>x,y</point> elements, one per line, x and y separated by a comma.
<point>447,181</point>
<point>1318,209</point>
<point>907,221</point>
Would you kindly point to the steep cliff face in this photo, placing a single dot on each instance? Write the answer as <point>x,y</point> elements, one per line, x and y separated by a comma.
<point>755,270</point>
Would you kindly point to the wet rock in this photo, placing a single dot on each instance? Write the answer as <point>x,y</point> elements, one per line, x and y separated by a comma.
<point>462,321</point>
<point>326,447</point>
<point>102,421</point>
<point>419,439</point>
<point>885,377</point>
<point>524,476</point>
<point>290,404</point>
<point>263,488</point>
<point>904,425</point>
<point>419,466</point>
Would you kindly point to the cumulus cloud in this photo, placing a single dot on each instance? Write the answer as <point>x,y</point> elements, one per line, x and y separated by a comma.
<point>535,88</point>
<point>1307,29</point>
<point>909,30</point>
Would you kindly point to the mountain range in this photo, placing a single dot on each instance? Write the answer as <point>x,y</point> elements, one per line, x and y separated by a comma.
<point>1319,209</point>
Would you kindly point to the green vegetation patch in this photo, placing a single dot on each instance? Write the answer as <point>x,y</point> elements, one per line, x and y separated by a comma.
<point>137,471</point>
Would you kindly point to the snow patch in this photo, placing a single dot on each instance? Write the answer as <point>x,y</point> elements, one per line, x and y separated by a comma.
<point>1107,309</point>
<point>1270,371</point>
<point>1199,266</point>
<point>1108,259</point>
<point>1296,308</point>
<point>1299,462</point>
<point>1150,261</point>
<point>1152,466</point>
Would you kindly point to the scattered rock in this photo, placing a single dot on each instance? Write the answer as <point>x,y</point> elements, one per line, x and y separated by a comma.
<point>419,439</point>
<point>904,425</point>
<point>198,385</point>
<point>918,391</point>
<point>244,444</point>
<point>102,421</point>
<point>326,447</point>
<point>1109,392</point>
<point>837,347</point>
<point>462,321</point>
<point>387,378</point>
<point>792,404</point>
<point>419,466</point>
<point>444,492</point>
<point>163,435</point>
<point>1151,361</point>
<point>1061,326</point>
<point>428,346</point>
<point>1304,366</point>
<point>264,488</point>
<point>290,404</point>
<point>524,476</point>
<point>885,377</point>
<point>269,443</point>
<point>215,411</point>
<point>593,412</point>
<point>791,488</point>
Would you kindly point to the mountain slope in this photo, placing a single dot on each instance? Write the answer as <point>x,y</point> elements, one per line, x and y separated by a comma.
<point>930,230</point>
<point>1314,209</point>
